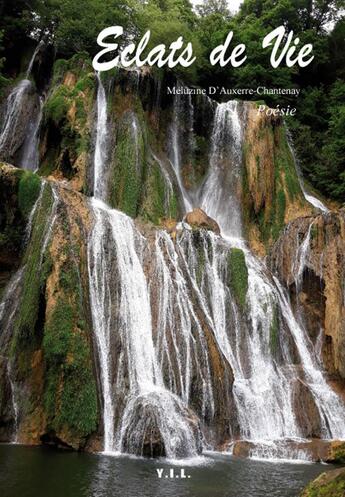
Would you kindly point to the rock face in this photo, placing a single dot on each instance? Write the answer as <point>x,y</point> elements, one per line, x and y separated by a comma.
<point>330,484</point>
<point>12,224</point>
<point>272,193</point>
<point>309,258</point>
<point>45,339</point>
<point>199,219</point>
<point>21,108</point>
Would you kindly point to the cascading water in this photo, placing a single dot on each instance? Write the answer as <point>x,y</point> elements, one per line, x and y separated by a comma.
<point>315,202</point>
<point>175,154</point>
<point>100,158</point>
<point>263,390</point>
<point>151,342</point>
<point>33,58</point>
<point>219,195</point>
<point>120,301</point>
<point>13,117</point>
<point>19,117</point>
<point>30,155</point>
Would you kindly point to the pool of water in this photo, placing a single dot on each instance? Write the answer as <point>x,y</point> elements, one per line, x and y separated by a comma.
<point>44,472</point>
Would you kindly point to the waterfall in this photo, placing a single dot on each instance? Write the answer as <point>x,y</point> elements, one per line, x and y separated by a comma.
<point>33,58</point>
<point>157,305</point>
<point>100,158</point>
<point>15,119</point>
<point>135,131</point>
<point>263,388</point>
<point>175,153</point>
<point>169,190</point>
<point>315,202</point>
<point>121,312</point>
<point>219,195</point>
<point>30,155</point>
<point>13,116</point>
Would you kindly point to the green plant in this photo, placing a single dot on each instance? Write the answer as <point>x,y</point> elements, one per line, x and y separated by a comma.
<point>238,275</point>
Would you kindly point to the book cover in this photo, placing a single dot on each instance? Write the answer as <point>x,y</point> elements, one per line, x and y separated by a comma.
<point>172,248</point>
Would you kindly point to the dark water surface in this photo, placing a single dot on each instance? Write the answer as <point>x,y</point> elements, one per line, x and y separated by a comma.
<point>39,472</point>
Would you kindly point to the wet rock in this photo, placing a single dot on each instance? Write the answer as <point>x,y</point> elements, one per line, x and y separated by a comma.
<point>151,431</point>
<point>21,109</point>
<point>312,450</point>
<point>306,410</point>
<point>330,484</point>
<point>12,223</point>
<point>199,219</point>
<point>272,195</point>
<point>315,281</point>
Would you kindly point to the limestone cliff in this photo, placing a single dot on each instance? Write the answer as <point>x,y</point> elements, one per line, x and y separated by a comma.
<point>309,259</point>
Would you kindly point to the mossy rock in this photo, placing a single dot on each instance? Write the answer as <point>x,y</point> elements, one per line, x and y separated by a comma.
<point>238,275</point>
<point>274,330</point>
<point>66,118</point>
<point>330,484</point>
<point>128,167</point>
<point>159,201</point>
<point>37,265</point>
<point>28,191</point>
<point>337,453</point>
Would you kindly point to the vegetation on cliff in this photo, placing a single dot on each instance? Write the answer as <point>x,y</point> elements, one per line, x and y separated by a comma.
<point>330,484</point>
<point>238,275</point>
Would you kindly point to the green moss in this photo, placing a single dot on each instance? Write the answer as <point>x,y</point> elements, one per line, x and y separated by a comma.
<point>313,231</point>
<point>158,201</point>
<point>128,171</point>
<point>238,275</point>
<point>338,454</point>
<point>278,222</point>
<point>79,408</point>
<point>28,191</point>
<point>57,334</point>
<point>284,163</point>
<point>68,365</point>
<point>37,265</point>
<point>66,113</point>
<point>57,105</point>
<point>70,389</point>
<point>59,69</point>
<point>85,83</point>
<point>274,331</point>
<point>326,486</point>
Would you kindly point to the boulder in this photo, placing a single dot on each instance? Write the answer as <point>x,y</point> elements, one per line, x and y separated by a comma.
<point>198,219</point>
<point>330,484</point>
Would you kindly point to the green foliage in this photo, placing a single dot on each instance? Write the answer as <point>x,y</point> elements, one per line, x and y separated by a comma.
<point>28,191</point>
<point>238,275</point>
